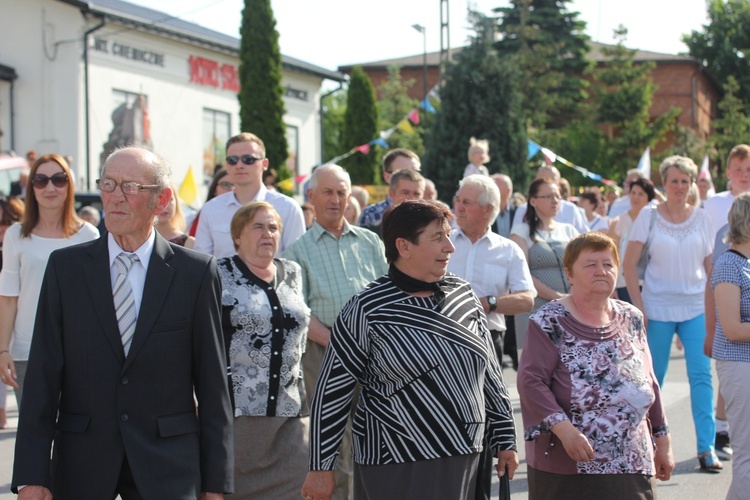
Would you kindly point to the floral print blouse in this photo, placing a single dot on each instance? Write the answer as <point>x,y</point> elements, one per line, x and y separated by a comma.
<point>602,380</point>
<point>265,331</point>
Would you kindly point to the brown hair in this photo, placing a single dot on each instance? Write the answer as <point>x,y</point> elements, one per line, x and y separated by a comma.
<point>593,241</point>
<point>395,153</point>
<point>246,137</point>
<point>408,220</point>
<point>740,151</point>
<point>530,216</point>
<point>70,221</point>
<point>245,215</point>
<point>12,210</point>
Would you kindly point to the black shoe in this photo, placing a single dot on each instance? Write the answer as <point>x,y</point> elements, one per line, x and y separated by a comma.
<point>723,447</point>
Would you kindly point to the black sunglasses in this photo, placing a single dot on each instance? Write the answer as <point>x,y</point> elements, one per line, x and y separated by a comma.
<point>246,159</point>
<point>40,181</point>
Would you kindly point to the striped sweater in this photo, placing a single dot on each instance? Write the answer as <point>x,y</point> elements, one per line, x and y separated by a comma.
<point>431,383</point>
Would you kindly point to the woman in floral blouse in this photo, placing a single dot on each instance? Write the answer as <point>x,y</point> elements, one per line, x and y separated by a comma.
<point>265,324</point>
<point>589,398</point>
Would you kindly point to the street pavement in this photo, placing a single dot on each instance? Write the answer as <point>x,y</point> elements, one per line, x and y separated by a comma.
<point>687,482</point>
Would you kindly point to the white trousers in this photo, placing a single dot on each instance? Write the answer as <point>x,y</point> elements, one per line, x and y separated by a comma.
<point>733,378</point>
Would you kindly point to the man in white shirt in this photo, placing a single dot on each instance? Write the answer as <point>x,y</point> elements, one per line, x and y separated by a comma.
<point>494,266</point>
<point>246,161</point>
<point>569,213</point>
<point>738,174</point>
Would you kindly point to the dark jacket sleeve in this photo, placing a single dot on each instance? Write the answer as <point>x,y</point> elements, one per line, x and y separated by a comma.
<point>44,373</point>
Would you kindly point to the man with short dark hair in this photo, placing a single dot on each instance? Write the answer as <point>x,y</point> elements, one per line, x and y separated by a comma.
<point>127,338</point>
<point>246,161</point>
<point>394,160</point>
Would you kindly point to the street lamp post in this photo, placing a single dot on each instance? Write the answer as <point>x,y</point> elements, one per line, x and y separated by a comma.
<point>423,30</point>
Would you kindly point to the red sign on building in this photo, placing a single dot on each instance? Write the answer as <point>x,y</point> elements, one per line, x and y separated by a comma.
<point>207,72</point>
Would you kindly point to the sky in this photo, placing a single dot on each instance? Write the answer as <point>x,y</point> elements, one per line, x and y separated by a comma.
<point>333,33</point>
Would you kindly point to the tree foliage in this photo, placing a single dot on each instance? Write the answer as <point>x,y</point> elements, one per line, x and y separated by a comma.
<point>261,104</point>
<point>394,105</point>
<point>334,108</point>
<point>479,98</point>
<point>724,44</point>
<point>548,45</point>
<point>623,93</point>
<point>360,127</point>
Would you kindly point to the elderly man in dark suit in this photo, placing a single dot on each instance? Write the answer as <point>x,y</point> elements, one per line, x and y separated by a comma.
<point>127,331</point>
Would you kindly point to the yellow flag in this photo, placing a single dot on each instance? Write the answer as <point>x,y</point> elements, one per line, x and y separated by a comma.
<point>189,189</point>
<point>406,126</point>
<point>286,184</point>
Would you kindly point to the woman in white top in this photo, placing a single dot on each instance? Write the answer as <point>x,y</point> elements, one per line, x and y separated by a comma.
<point>49,223</point>
<point>680,245</point>
<point>641,193</point>
<point>543,241</point>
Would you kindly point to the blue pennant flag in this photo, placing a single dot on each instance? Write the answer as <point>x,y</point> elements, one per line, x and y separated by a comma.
<point>380,142</point>
<point>427,105</point>
<point>533,149</point>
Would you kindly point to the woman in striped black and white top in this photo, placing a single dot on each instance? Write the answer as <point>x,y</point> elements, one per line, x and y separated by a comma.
<point>417,342</point>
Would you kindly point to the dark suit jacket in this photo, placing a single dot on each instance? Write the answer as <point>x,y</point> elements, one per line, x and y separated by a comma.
<point>140,407</point>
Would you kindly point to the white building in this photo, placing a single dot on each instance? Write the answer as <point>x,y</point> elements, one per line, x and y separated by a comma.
<point>77,78</point>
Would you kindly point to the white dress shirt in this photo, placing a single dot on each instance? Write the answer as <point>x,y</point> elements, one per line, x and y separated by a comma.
<point>493,266</point>
<point>137,272</point>
<point>214,237</point>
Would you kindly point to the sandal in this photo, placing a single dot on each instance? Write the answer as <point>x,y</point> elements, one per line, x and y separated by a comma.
<point>709,462</point>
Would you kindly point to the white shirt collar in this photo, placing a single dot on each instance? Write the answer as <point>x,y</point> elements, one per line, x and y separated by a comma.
<point>231,198</point>
<point>143,252</point>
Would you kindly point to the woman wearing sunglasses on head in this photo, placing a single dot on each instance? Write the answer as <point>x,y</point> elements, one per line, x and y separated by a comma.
<point>49,223</point>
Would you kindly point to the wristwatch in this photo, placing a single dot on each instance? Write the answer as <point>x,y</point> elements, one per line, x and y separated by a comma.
<point>493,302</point>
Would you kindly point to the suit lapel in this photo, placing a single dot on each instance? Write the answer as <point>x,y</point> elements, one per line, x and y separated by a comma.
<point>158,280</point>
<point>99,283</point>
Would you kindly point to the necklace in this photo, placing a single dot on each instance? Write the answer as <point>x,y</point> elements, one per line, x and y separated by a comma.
<point>672,218</point>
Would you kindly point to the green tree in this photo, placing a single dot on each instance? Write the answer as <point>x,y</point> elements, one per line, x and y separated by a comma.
<point>623,93</point>
<point>547,43</point>
<point>480,98</point>
<point>334,108</point>
<point>360,127</point>
<point>731,129</point>
<point>724,44</point>
<point>394,105</point>
<point>261,104</point>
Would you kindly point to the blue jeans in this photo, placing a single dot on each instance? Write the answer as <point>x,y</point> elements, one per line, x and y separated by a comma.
<point>692,334</point>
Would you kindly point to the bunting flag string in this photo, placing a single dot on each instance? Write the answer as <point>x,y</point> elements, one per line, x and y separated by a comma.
<point>551,157</point>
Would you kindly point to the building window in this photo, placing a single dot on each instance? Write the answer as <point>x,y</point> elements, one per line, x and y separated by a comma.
<point>292,140</point>
<point>130,122</point>
<point>216,127</point>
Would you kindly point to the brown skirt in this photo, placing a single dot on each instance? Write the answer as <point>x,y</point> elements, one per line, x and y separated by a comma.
<point>546,485</point>
<point>270,457</point>
<point>447,478</point>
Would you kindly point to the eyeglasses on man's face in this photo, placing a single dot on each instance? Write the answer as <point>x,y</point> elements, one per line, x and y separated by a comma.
<point>246,159</point>
<point>40,181</point>
<point>127,187</point>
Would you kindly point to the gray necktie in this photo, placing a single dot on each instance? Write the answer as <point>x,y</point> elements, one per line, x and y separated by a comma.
<point>124,300</point>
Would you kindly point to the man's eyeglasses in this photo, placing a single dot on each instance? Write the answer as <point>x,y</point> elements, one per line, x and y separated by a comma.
<point>226,185</point>
<point>127,187</point>
<point>246,159</point>
<point>40,181</point>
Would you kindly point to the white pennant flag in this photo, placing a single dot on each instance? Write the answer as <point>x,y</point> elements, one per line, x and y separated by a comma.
<point>644,164</point>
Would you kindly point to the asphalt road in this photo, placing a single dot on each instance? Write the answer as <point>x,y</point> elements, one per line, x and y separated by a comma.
<point>686,483</point>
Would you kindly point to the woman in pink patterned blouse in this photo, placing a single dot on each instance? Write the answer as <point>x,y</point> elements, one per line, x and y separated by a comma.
<point>593,419</point>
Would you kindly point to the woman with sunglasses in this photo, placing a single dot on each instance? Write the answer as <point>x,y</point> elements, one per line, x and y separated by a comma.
<point>49,223</point>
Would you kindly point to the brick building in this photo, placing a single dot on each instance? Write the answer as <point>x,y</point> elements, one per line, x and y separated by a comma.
<point>681,82</point>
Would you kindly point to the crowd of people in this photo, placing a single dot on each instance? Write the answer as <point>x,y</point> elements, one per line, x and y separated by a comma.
<point>346,349</point>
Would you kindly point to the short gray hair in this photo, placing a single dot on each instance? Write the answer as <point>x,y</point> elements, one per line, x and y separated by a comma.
<point>159,168</point>
<point>489,192</point>
<point>681,163</point>
<point>336,170</point>
<point>739,220</point>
